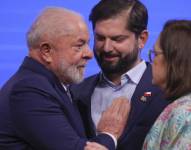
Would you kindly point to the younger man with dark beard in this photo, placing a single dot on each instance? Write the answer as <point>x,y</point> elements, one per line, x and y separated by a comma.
<point>120,32</point>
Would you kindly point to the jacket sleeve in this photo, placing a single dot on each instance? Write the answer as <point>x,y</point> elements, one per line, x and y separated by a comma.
<point>40,121</point>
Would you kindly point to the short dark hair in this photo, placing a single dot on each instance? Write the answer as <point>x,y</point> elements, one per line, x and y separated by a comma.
<point>175,42</point>
<point>137,18</point>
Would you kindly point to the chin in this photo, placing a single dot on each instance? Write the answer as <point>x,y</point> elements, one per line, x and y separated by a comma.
<point>159,84</point>
<point>78,78</point>
<point>154,82</point>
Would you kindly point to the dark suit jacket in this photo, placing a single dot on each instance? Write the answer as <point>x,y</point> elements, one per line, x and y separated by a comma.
<point>36,113</point>
<point>142,115</point>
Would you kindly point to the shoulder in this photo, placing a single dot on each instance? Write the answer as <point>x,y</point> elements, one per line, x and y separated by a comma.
<point>172,126</point>
<point>84,89</point>
<point>90,79</point>
<point>175,123</point>
<point>181,109</point>
<point>86,83</point>
<point>176,116</point>
<point>31,82</point>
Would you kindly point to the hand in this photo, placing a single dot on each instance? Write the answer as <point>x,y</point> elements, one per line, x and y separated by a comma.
<point>94,146</point>
<point>114,118</point>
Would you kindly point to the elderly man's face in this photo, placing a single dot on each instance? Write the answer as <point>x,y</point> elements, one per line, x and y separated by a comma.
<point>71,53</point>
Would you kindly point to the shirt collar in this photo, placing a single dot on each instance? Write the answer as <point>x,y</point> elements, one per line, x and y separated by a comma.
<point>136,72</point>
<point>134,75</point>
<point>65,87</point>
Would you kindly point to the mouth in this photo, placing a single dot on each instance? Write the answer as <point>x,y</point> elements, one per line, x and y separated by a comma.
<point>81,67</point>
<point>110,58</point>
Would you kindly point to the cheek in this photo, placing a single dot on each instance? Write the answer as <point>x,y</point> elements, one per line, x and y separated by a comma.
<point>127,46</point>
<point>154,72</point>
<point>98,46</point>
<point>159,74</point>
<point>75,59</point>
<point>56,62</point>
<point>97,50</point>
<point>70,56</point>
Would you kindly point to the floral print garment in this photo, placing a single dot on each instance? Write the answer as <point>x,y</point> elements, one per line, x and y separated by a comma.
<point>172,129</point>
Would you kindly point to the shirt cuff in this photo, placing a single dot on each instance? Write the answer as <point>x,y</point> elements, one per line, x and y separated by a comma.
<point>113,137</point>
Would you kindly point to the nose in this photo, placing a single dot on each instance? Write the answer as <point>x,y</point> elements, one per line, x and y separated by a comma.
<point>87,54</point>
<point>107,45</point>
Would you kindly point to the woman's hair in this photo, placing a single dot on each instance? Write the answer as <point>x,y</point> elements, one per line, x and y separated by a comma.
<point>175,42</point>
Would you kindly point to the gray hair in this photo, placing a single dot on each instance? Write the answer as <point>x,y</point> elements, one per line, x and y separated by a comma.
<point>52,23</point>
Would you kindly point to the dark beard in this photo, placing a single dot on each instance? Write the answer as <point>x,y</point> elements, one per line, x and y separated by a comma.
<point>124,64</point>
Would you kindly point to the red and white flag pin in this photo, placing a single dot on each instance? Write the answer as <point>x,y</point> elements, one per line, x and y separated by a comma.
<point>144,97</point>
<point>147,94</point>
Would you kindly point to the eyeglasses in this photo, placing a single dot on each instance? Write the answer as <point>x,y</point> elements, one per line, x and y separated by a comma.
<point>153,53</point>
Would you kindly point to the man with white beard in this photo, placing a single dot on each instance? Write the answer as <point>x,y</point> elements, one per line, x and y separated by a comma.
<point>36,110</point>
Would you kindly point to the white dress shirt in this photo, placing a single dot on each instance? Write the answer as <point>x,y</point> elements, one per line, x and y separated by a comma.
<point>106,91</point>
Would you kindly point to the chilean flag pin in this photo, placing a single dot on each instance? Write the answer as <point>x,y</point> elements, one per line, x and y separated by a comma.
<point>144,97</point>
<point>147,94</point>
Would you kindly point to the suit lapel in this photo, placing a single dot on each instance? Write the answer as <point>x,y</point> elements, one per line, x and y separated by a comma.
<point>140,99</point>
<point>70,109</point>
<point>83,98</point>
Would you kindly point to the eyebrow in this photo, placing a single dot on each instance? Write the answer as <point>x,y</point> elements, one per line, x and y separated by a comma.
<point>83,41</point>
<point>119,36</point>
<point>115,36</point>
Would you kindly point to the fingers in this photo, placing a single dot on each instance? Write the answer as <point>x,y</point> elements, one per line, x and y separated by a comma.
<point>119,106</point>
<point>114,118</point>
<point>124,108</point>
<point>115,105</point>
<point>94,146</point>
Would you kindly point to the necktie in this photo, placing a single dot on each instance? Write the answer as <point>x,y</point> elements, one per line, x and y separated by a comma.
<point>68,93</point>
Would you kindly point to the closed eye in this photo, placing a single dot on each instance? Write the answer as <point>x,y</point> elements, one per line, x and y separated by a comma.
<point>80,45</point>
<point>99,38</point>
<point>119,38</point>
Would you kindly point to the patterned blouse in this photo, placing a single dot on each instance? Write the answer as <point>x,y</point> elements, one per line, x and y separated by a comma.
<point>172,129</point>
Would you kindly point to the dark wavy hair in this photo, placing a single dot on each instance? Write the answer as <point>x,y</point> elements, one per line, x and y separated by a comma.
<point>175,42</point>
<point>137,16</point>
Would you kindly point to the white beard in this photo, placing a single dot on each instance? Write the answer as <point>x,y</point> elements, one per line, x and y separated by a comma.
<point>70,73</point>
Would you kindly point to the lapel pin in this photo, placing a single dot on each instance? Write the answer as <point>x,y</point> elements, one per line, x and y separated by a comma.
<point>147,94</point>
<point>144,97</point>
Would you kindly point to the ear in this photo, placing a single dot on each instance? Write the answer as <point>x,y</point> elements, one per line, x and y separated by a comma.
<point>46,52</point>
<point>142,39</point>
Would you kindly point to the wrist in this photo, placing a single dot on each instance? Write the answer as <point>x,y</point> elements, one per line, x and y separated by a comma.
<point>112,136</point>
